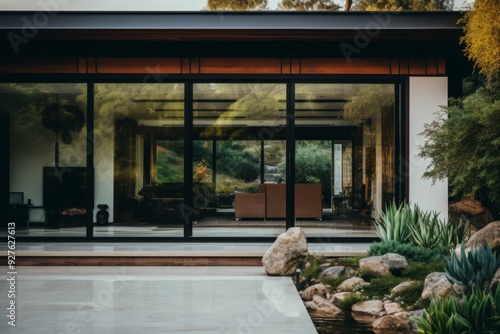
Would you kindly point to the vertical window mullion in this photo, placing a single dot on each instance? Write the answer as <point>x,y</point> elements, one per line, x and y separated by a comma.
<point>188,209</point>
<point>290,155</point>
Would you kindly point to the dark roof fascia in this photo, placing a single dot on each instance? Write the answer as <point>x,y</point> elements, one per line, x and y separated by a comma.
<point>261,20</point>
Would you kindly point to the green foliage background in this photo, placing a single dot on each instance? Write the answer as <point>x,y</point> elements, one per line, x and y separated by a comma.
<point>463,144</point>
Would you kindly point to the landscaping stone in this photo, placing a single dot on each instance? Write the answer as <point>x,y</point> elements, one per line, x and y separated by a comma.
<point>496,278</point>
<point>402,287</point>
<point>314,290</point>
<point>384,265</point>
<point>413,323</point>
<point>372,307</point>
<point>474,211</point>
<point>393,261</point>
<point>391,323</point>
<point>350,283</point>
<point>488,235</point>
<point>320,304</point>
<point>392,308</point>
<point>436,285</point>
<point>375,264</point>
<point>334,271</point>
<point>339,297</point>
<point>286,253</point>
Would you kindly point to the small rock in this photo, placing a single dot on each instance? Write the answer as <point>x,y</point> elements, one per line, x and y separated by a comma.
<point>372,307</point>
<point>339,297</point>
<point>400,288</point>
<point>393,261</point>
<point>436,285</point>
<point>350,283</point>
<point>334,271</point>
<point>314,290</point>
<point>392,308</point>
<point>320,304</point>
<point>375,264</point>
<point>496,278</point>
<point>391,323</point>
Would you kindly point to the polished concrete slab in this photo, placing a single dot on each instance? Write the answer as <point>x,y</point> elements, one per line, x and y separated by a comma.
<point>151,300</point>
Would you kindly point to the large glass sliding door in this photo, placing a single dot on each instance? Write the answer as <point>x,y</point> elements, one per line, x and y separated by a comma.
<point>138,159</point>
<point>47,151</point>
<point>151,142</point>
<point>344,157</point>
<point>234,192</point>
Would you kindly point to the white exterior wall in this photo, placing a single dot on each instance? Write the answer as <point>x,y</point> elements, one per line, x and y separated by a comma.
<point>427,94</point>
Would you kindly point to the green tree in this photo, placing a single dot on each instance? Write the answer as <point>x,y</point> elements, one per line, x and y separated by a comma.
<point>482,37</point>
<point>304,5</point>
<point>398,5</point>
<point>240,5</point>
<point>463,144</point>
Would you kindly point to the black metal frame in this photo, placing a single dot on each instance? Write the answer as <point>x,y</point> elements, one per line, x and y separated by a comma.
<point>401,140</point>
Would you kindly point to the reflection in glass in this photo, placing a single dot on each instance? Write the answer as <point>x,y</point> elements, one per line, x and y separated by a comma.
<point>345,142</point>
<point>139,154</point>
<point>47,123</point>
<point>242,128</point>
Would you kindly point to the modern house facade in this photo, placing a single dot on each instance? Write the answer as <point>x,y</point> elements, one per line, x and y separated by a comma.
<point>178,125</point>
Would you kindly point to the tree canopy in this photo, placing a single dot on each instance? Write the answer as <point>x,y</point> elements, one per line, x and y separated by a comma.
<point>333,5</point>
<point>236,5</point>
<point>398,5</point>
<point>304,5</point>
<point>482,37</point>
<point>464,144</point>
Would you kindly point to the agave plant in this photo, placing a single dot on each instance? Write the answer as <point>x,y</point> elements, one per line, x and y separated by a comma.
<point>453,232</point>
<point>393,224</point>
<point>441,317</point>
<point>425,231</point>
<point>476,268</point>
<point>474,314</point>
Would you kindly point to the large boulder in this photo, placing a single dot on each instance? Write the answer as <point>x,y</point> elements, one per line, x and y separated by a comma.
<point>321,305</point>
<point>436,285</point>
<point>372,307</point>
<point>477,215</point>
<point>286,253</point>
<point>313,290</point>
<point>384,265</point>
<point>488,235</point>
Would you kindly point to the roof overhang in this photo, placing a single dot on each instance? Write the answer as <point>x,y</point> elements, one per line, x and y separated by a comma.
<point>267,25</point>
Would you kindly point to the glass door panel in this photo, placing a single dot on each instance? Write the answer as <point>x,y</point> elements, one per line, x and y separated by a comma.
<point>47,123</point>
<point>234,124</point>
<point>138,158</point>
<point>345,145</point>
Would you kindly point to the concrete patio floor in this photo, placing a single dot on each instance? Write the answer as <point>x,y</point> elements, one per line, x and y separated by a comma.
<point>56,300</point>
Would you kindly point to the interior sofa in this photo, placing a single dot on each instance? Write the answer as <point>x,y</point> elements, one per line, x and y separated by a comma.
<point>270,202</point>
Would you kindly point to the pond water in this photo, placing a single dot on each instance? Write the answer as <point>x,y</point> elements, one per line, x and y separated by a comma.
<point>346,323</point>
<point>342,324</point>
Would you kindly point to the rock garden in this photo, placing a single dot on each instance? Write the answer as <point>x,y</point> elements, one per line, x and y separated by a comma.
<point>424,276</point>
